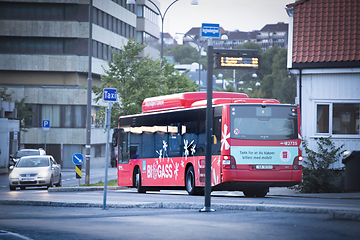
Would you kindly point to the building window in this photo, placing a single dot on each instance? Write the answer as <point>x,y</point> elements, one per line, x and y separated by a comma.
<point>345,118</point>
<point>79,115</point>
<point>140,11</point>
<point>67,116</point>
<point>52,113</point>
<point>322,120</point>
<point>338,118</point>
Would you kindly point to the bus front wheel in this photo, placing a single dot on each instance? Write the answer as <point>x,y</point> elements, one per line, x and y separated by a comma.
<point>140,189</point>
<point>190,181</point>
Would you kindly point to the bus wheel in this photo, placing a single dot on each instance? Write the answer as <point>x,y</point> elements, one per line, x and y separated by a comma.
<point>255,193</point>
<point>190,181</point>
<point>140,189</point>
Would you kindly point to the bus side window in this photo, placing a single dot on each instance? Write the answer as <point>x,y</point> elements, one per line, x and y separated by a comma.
<point>124,147</point>
<point>134,152</point>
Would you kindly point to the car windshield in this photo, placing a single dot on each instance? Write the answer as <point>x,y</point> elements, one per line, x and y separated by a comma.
<point>20,154</point>
<point>33,162</point>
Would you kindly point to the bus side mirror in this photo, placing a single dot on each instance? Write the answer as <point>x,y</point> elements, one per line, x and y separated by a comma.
<point>115,137</point>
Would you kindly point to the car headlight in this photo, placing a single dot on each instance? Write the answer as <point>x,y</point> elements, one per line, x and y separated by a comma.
<point>43,174</point>
<point>14,175</point>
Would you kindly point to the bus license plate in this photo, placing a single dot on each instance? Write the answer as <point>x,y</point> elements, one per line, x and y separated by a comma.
<point>264,166</point>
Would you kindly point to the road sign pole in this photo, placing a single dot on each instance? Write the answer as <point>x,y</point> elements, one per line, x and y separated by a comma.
<point>110,96</point>
<point>107,151</point>
<point>209,124</point>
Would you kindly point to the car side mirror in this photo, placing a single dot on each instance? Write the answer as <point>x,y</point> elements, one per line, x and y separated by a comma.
<point>11,167</point>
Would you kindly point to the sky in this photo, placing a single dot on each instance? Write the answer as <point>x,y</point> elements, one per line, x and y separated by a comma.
<point>242,15</point>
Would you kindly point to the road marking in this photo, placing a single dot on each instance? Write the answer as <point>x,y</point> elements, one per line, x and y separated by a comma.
<point>5,233</point>
<point>329,204</point>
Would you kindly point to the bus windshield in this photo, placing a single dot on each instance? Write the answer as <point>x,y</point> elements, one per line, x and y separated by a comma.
<point>267,122</point>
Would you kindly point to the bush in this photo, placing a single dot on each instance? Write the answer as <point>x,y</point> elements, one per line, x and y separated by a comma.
<point>317,175</point>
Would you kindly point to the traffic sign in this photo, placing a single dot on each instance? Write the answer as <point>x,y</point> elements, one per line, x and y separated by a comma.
<point>46,125</point>
<point>210,30</point>
<point>78,172</point>
<point>78,158</point>
<point>110,94</point>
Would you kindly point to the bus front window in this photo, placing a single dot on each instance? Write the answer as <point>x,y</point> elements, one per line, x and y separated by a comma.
<point>255,123</point>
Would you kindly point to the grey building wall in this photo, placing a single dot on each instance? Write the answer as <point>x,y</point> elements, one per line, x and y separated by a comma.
<point>45,61</point>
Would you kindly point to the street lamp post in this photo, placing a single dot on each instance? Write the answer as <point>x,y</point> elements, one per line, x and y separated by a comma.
<point>89,100</point>
<point>199,46</point>
<point>254,75</point>
<point>221,75</point>
<point>162,16</point>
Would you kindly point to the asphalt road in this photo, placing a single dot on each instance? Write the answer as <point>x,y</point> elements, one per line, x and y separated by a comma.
<point>35,222</point>
<point>37,213</point>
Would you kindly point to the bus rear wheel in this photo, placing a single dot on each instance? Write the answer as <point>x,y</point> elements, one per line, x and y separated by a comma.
<point>140,189</point>
<point>190,181</point>
<point>259,193</point>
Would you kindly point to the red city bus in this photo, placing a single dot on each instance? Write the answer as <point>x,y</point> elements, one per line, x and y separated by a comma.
<point>256,144</point>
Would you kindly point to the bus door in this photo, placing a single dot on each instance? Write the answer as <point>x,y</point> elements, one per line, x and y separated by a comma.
<point>124,170</point>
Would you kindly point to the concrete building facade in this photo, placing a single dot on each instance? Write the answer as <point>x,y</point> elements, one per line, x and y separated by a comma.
<point>44,59</point>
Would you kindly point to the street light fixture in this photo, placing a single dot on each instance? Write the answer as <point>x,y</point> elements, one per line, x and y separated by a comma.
<point>162,16</point>
<point>254,75</point>
<point>199,46</point>
<point>221,75</point>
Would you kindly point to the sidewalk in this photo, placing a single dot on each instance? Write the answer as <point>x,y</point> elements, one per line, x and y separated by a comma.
<point>276,191</point>
<point>68,201</point>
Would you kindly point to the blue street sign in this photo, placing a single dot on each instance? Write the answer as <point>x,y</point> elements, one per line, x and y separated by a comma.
<point>210,30</point>
<point>110,94</point>
<point>46,125</point>
<point>78,158</point>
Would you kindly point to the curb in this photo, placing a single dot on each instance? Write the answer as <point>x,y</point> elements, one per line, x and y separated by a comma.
<point>82,189</point>
<point>101,188</point>
<point>337,214</point>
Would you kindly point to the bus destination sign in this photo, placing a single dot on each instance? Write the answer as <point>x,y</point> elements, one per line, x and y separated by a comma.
<point>239,62</point>
<point>235,59</point>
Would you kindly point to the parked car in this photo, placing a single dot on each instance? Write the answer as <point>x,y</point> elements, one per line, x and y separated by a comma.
<point>35,171</point>
<point>24,152</point>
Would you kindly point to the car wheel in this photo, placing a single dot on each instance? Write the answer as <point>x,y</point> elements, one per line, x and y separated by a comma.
<point>12,188</point>
<point>51,182</point>
<point>59,183</point>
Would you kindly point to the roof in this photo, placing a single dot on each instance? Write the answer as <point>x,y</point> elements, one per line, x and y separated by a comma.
<point>279,27</point>
<point>326,32</point>
<point>242,35</point>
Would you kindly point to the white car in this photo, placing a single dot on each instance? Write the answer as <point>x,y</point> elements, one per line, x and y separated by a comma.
<point>35,171</point>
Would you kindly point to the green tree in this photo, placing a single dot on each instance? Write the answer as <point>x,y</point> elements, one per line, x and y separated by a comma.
<point>183,54</point>
<point>317,175</point>
<point>136,79</point>
<point>24,111</point>
<point>284,88</point>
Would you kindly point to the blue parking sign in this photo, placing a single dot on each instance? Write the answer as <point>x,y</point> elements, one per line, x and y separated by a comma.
<point>46,125</point>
